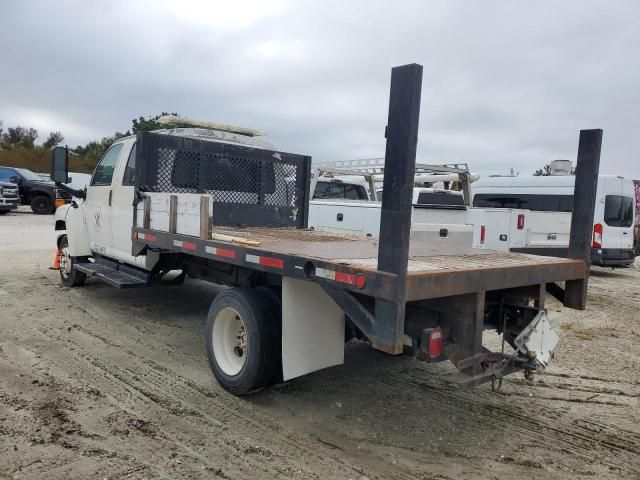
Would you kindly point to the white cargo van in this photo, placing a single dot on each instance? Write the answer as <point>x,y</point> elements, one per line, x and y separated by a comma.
<point>547,202</point>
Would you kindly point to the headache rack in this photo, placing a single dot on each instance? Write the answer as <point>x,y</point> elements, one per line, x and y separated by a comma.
<point>247,186</point>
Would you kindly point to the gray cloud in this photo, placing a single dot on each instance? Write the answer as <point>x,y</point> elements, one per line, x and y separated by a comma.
<point>506,84</point>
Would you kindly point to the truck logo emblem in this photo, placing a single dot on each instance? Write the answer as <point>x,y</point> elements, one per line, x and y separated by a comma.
<point>97,218</point>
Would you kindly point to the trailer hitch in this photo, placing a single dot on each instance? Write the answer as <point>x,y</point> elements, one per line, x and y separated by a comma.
<point>495,366</point>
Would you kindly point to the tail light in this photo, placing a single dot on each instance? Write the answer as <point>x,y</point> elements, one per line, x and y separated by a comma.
<point>597,235</point>
<point>521,221</point>
<point>482,234</point>
<point>435,343</point>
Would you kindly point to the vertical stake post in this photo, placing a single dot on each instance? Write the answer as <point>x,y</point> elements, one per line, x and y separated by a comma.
<point>395,220</point>
<point>173,213</point>
<point>146,213</point>
<point>205,218</point>
<point>584,202</point>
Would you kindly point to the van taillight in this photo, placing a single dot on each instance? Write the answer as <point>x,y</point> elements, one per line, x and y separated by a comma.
<point>482,234</point>
<point>597,235</point>
<point>521,221</point>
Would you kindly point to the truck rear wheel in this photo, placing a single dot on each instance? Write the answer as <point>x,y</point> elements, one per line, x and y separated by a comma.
<point>241,339</point>
<point>69,276</point>
<point>41,205</point>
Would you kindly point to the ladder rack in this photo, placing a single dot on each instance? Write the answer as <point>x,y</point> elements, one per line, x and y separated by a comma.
<point>375,166</point>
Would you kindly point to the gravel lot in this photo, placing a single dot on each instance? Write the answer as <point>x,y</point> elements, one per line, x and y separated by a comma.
<point>101,383</point>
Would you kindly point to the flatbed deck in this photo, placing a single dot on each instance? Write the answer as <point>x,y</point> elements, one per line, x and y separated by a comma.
<point>435,269</point>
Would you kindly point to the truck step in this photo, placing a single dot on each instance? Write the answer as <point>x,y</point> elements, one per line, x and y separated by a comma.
<point>115,274</point>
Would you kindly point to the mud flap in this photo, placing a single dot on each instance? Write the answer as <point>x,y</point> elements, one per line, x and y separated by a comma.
<point>312,329</point>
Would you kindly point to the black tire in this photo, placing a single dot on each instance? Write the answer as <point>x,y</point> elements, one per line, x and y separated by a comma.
<point>255,309</point>
<point>41,205</point>
<point>69,276</point>
<point>4,212</point>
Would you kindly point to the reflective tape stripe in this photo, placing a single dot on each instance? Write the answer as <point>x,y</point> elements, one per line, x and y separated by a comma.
<point>147,236</point>
<point>264,261</point>
<point>185,245</point>
<point>324,273</point>
<point>221,252</point>
<point>342,277</point>
<point>252,258</point>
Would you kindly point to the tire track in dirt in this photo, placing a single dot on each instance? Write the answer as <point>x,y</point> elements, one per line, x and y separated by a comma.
<point>158,383</point>
<point>621,446</point>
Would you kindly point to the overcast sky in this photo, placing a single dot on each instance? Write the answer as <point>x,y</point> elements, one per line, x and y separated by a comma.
<point>507,84</point>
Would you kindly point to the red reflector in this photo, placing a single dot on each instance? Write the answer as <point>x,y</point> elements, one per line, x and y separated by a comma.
<point>435,343</point>
<point>271,262</point>
<point>360,281</point>
<point>521,221</point>
<point>597,236</point>
<point>482,234</point>
<point>189,245</point>
<point>345,278</point>
<point>223,252</point>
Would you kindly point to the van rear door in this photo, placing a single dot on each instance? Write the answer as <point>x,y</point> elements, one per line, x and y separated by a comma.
<point>617,218</point>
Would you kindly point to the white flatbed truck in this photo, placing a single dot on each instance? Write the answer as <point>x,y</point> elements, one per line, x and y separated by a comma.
<point>218,205</point>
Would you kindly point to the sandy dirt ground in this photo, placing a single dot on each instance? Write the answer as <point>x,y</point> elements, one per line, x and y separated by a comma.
<point>101,383</point>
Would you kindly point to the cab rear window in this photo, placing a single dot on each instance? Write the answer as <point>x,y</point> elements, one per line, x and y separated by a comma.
<point>618,211</point>
<point>339,190</point>
<point>439,198</point>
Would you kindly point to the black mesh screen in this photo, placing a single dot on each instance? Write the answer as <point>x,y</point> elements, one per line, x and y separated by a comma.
<point>249,186</point>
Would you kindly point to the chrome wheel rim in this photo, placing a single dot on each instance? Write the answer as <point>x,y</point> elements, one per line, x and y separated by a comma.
<point>65,262</point>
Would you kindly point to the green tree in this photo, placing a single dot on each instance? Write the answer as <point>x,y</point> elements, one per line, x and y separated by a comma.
<point>142,124</point>
<point>19,137</point>
<point>546,171</point>
<point>54,138</point>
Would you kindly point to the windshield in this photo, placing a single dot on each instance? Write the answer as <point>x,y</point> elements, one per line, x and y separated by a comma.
<point>29,175</point>
<point>618,211</point>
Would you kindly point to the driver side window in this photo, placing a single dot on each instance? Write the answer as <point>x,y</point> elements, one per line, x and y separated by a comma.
<point>104,171</point>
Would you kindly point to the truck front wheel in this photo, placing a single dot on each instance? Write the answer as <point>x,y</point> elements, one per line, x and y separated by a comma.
<point>241,342</point>
<point>41,205</point>
<point>69,276</point>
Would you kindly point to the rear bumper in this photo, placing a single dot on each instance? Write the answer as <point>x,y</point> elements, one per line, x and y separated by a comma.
<point>603,257</point>
<point>612,257</point>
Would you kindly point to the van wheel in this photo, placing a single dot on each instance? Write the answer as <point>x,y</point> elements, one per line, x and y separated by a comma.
<point>69,276</point>
<point>41,205</point>
<point>240,343</point>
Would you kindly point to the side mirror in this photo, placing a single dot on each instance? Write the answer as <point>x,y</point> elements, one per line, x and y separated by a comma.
<point>60,165</point>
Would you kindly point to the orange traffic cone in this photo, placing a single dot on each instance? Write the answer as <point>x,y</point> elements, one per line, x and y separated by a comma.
<point>56,261</point>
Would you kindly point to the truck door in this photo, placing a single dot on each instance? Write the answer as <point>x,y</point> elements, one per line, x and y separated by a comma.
<point>122,206</point>
<point>97,205</point>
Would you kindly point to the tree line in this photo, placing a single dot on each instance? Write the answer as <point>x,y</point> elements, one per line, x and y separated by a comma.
<point>19,147</point>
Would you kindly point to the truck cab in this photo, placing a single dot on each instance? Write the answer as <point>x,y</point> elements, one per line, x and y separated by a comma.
<point>99,222</point>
